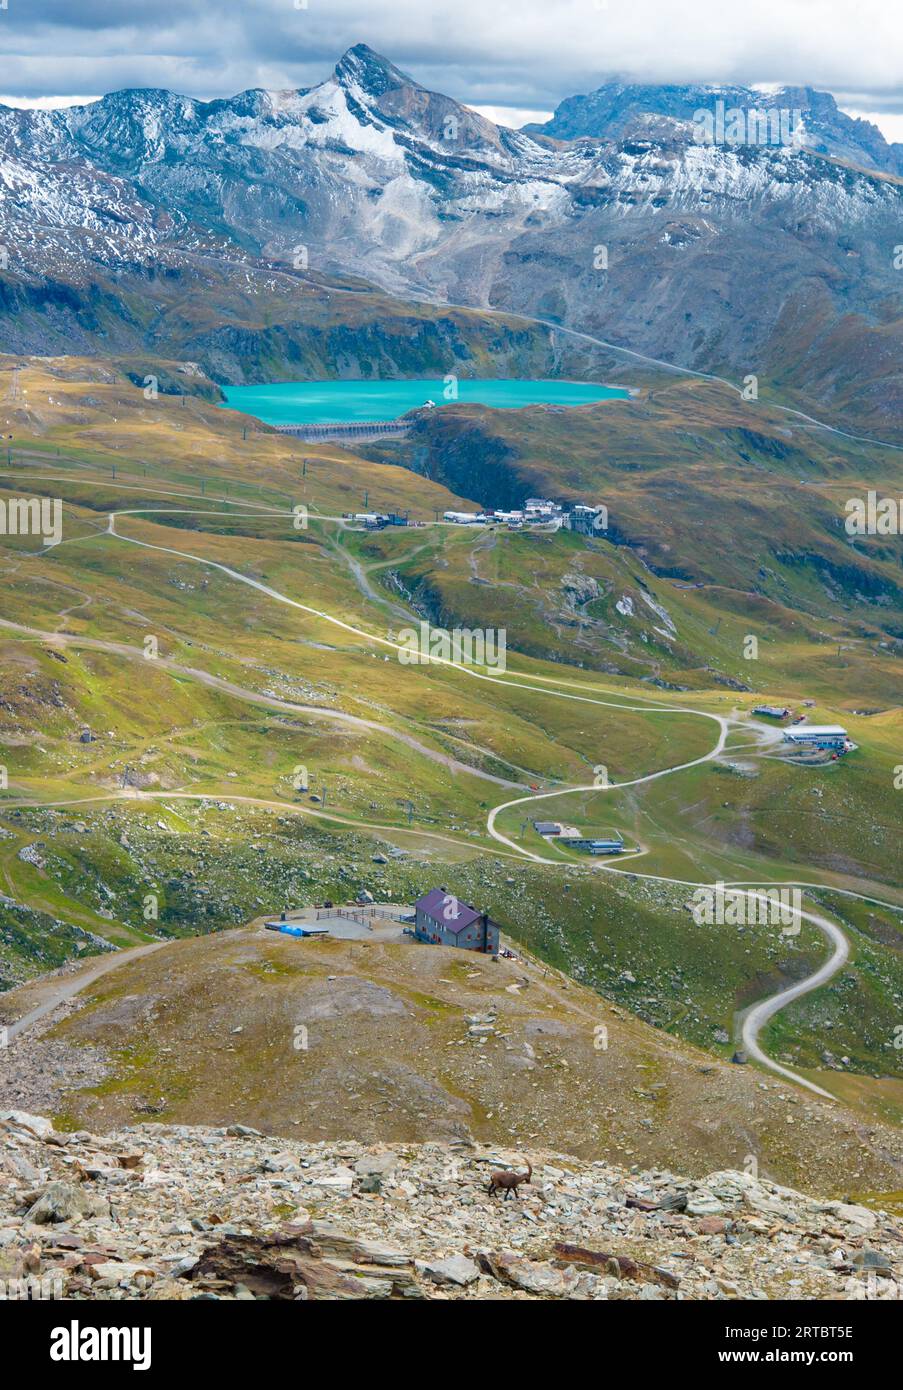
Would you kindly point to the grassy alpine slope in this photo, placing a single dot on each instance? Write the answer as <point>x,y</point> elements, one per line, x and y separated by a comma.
<point>187,788</point>
<point>204,1030</point>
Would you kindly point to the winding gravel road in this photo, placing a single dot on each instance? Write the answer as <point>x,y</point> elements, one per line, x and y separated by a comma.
<point>760,1013</point>
<point>754,1019</point>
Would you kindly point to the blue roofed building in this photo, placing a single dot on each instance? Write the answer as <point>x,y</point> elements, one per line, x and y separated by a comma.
<point>827,736</point>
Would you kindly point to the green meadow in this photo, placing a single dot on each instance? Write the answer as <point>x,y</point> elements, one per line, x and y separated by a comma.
<point>170,730</point>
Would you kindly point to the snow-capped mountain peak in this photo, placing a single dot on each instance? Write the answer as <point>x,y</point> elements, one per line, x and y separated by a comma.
<point>638,232</point>
<point>364,70</point>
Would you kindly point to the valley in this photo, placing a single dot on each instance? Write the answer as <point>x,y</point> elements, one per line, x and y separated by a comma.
<point>199,768</point>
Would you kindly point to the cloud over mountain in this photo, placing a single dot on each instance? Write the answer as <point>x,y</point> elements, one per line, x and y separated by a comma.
<point>517,52</point>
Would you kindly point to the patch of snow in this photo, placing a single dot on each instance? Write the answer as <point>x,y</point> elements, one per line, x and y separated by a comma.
<point>662,612</point>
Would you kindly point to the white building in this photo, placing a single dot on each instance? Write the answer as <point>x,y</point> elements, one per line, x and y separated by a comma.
<point>831,736</point>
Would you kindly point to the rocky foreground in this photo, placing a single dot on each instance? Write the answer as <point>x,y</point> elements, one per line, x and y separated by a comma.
<point>172,1212</point>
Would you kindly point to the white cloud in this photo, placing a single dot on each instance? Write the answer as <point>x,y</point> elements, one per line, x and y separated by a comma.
<point>522,54</point>
<point>513,116</point>
<point>48,103</point>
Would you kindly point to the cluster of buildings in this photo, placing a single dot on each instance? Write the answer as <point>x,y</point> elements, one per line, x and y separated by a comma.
<point>827,738</point>
<point>375,521</point>
<point>536,511</point>
<point>569,835</point>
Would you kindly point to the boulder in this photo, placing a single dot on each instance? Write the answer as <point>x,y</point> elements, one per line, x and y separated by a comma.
<point>316,1261</point>
<point>704,1204</point>
<point>854,1215</point>
<point>340,1180</point>
<point>379,1164</point>
<point>61,1201</point>
<point>454,1269</point>
<point>21,1119</point>
<point>873,1261</point>
<point>711,1226</point>
<point>539,1277</point>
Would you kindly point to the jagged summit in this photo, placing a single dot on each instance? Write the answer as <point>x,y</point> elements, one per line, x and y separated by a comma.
<point>370,71</point>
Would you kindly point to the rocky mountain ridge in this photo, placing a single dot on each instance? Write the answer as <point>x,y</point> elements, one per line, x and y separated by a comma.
<point>618,110</point>
<point>777,261</point>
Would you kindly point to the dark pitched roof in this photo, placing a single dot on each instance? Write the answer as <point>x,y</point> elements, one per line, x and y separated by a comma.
<point>436,903</point>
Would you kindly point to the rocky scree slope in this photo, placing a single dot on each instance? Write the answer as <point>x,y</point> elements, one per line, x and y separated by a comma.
<point>172,1212</point>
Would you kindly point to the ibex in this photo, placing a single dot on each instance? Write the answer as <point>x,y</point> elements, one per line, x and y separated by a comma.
<point>504,1180</point>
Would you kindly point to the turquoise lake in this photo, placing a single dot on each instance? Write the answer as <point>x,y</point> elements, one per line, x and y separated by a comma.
<point>315,402</point>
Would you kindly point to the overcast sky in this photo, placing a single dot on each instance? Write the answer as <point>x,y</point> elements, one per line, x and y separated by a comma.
<point>518,57</point>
